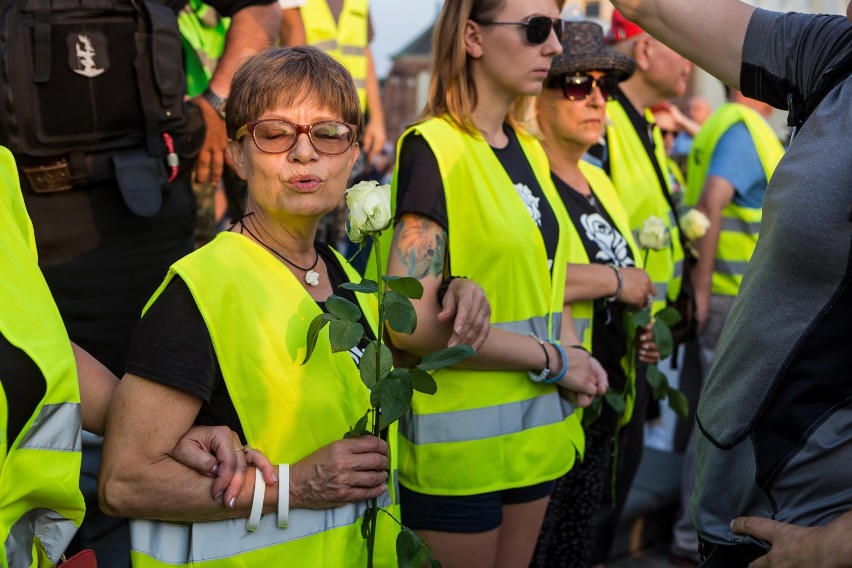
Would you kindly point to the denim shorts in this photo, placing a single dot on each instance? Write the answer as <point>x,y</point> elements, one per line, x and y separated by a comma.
<point>464,513</point>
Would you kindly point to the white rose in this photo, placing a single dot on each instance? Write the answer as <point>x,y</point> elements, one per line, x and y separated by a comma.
<point>694,224</point>
<point>654,234</point>
<point>369,209</point>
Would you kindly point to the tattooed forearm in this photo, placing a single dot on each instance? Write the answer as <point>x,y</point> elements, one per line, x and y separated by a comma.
<point>420,244</point>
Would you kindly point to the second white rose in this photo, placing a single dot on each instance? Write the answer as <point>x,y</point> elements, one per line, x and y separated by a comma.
<point>654,234</point>
<point>694,224</point>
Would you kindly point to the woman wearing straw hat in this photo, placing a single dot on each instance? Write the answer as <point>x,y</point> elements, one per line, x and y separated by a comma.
<point>604,279</point>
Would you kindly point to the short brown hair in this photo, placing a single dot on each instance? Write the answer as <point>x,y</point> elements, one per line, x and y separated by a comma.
<point>284,76</point>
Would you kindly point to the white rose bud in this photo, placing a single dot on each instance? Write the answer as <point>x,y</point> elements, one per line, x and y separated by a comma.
<point>369,209</point>
<point>694,224</point>
<point>654,234</point>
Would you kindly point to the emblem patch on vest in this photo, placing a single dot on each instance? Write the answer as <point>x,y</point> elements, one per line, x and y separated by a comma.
<point>87,53</point>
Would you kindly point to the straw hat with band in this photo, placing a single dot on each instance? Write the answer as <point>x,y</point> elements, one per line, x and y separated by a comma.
<point>583,49</point>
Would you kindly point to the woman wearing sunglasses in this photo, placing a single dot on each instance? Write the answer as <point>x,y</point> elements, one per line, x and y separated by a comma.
<point>604,279</point>
<point>474,199</point>
<point>223,342</point>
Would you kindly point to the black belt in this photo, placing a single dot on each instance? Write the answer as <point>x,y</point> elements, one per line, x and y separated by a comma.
<point>728,555</point>
<point>77,169</point>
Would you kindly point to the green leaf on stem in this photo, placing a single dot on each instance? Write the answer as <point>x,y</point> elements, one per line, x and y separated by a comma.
<point>434,563</point>
<point>314,328</point>
<point>367,367</point>
<point>657,381</point>
<point>423,381</point>
<point>446,357</point>
<point>399,313</point>
<point>678,402</point>
<point>593,411</point>
<point>365,286</point>
<point>394,394</point>
<point>641,318</point>
<point>616,400</point>
<point>668,316</point>
<point>406,285</point>
<point>410,549</point>
<point>343,309</point>
<point>663,338</point>
<point>344,335</point>
<point>360,429</point>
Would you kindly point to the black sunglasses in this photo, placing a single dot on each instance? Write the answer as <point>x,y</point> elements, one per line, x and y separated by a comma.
<point>538,28</point>
<point>581,86</point>
<point>665,132</point>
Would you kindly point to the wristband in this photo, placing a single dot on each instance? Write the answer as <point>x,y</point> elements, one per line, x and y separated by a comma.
<point>283,495</point>
<point>561,374</point>
<point>617,295</point>
<point>256,502</point>
<point>540,376</point>
<point>579,347</point>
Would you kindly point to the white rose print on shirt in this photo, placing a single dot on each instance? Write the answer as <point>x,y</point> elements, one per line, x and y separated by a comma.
<point>613,247</point>
<point>530,201</point>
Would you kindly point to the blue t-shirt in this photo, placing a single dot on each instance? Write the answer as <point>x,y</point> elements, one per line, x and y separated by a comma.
<point>735,159</point>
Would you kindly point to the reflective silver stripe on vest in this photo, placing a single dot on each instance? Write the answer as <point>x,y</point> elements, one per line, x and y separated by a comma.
<point>57,428</point>
<point>581,325</point>
<point>352,50</point>
<point>662,291</point>
<point>731,267</point>
<point>672,219</point>
<point>678,269</point>
<point>484,423</point>
<point>734,225</point>
<point>183,544</point>
<point>327,45</point>
<point>54,532</point>
<point>537,325</point>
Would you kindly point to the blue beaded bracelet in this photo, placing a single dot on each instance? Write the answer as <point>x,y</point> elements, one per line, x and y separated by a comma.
<point>561,374</point>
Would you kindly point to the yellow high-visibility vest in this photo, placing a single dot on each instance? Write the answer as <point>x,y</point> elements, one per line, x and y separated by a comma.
<point>583,312</point>
<point>345,39</point>
<point>740,225</point>
<point>492,430</point>
<point>258,316</point>
<point>638,186</point>
<point>41,506</point>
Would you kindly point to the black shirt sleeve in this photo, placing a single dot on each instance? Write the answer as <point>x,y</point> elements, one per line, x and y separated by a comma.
<point>788,53</point>
<point>172,346</point>
<point>420,188</point>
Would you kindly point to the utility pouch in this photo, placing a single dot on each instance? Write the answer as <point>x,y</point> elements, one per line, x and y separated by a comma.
<point>140,179</point>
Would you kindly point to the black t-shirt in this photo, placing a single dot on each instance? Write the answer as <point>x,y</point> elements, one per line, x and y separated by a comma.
<point>605,245</point>
<point>420,188</point>
<point>172,346</point>
<point>23,385</point>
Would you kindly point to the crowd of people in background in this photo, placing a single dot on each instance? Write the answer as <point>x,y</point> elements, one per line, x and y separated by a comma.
<point>557,199</point>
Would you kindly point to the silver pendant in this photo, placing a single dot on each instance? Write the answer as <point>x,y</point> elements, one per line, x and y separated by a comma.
<point>312,277</point>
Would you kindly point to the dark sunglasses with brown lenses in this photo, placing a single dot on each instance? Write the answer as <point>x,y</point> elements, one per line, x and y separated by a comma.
<point>538,28</point>
<point>275,136</point>
<point>581,86</point>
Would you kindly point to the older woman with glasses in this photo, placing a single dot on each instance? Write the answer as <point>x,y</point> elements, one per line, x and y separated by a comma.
<point>604,280</point>
<point>474,199</point>
<point>223,341</point>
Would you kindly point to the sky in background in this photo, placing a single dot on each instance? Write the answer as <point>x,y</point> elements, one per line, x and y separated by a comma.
<point>395,24</point>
